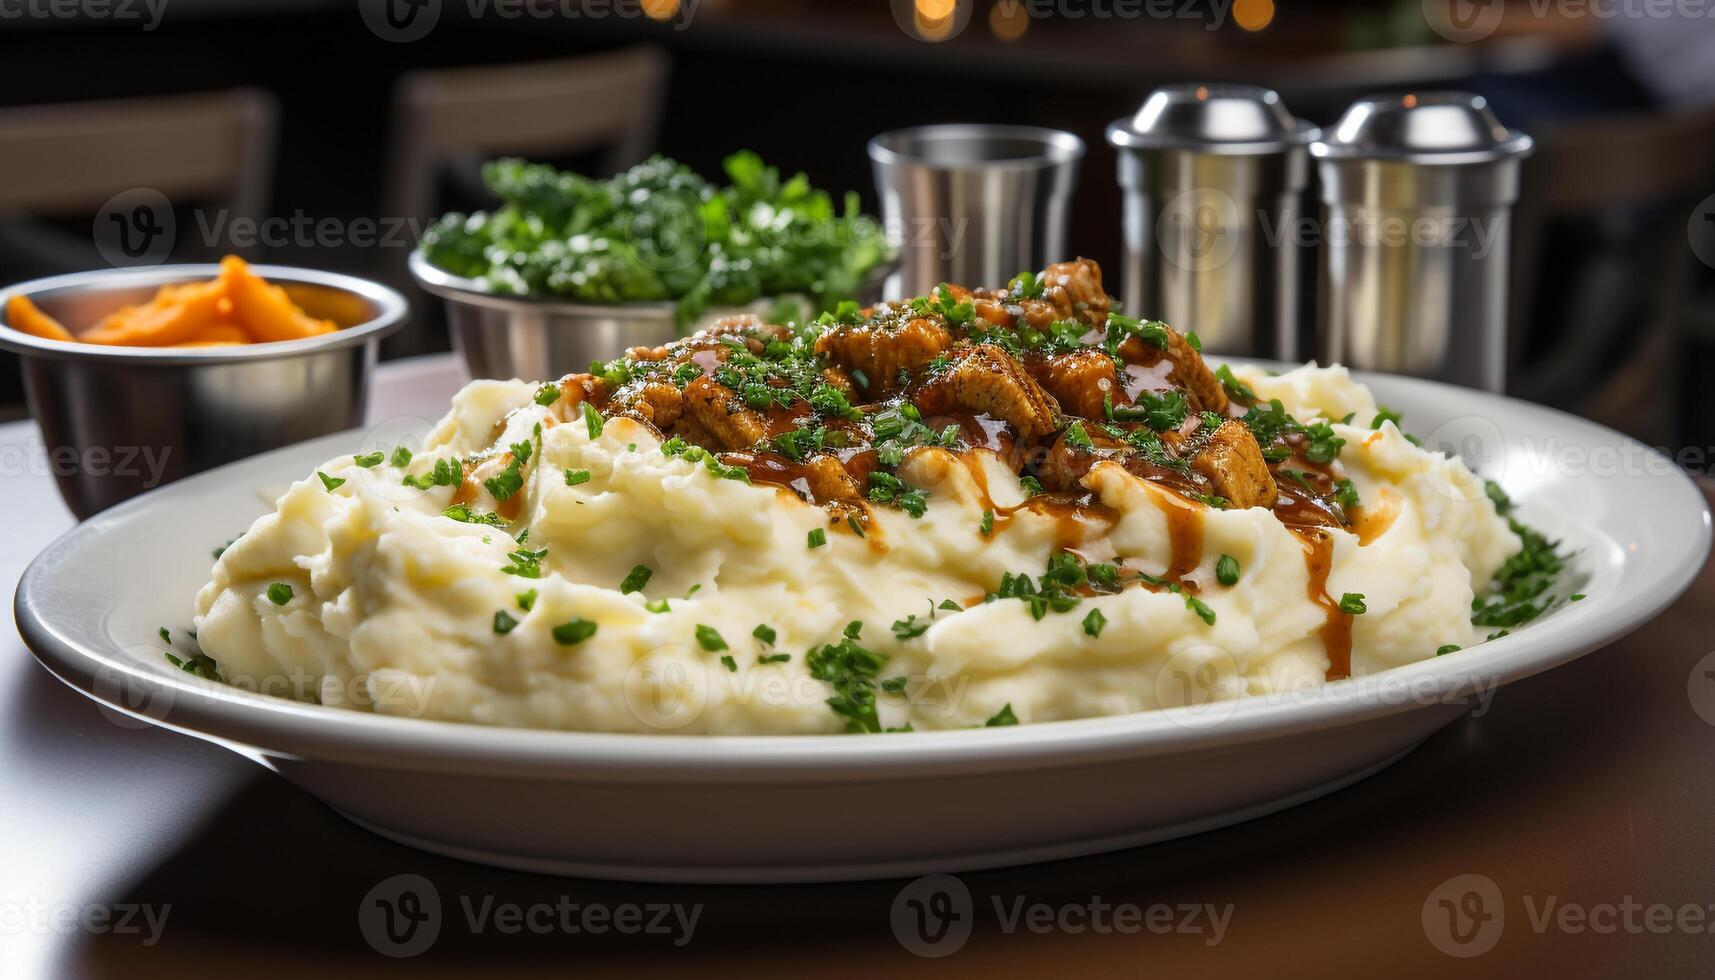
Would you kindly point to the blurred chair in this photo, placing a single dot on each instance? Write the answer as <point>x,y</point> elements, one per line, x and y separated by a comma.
<point>443,119</point>
<point>61,164</point>
<point>1605,276</point>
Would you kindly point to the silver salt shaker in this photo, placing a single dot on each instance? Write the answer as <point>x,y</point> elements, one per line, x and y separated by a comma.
<point>1214,177</point>
<point>1417,194</point>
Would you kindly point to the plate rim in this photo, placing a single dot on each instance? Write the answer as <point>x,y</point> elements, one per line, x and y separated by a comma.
<point>277,726</point>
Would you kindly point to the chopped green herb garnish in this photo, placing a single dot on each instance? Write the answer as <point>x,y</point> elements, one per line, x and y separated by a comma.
<point>729,663</point>
<point>657,605</point>
<point>503,622</point>
<point>401,457</point>
<point>573,631</point>
<point>710,638</point>
<point>986,526</point>
<point>525,564</point>
<point>279,593</point>
<point>1094,621</point>
<point>464,515</point>
<point>773,658</point>
<point>909,627</point>
<point>1352,604</point>
<point>1002,718</point>
<point>575,477</point>
<point>526,599</point>
<point>1442,651</point>
<point>330,482</point>
<point>765,633</point>
<point>592,420</point>
<point>547,395</point>
<point>818,537</point>
<point>636,579</point>
<point>367,460</point>
<point>1227,570</point>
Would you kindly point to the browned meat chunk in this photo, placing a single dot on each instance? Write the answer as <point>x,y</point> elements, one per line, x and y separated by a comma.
<point>1064,464</point>
<point>723,416</point>
<point>1079,381</point>
<point>985,379</point>
<point>1203,391</point>
<point>820,479</point>
<point>1233,462</point>
<point>655,402</point>
<point>884,348</point>
<point>1075,291</point>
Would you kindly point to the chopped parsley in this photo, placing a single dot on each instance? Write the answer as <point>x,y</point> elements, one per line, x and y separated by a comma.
<point>367,460</point>
<point>1002,718</point>
<point>710,638</point>
<point>445,473</point>
<point>464,515</point>
<point>331,482</point>
<point>765,633</point>
<point>850,670</point>
<point>773,658</point>
<point>986,526</point>
<point>503,622</point>
<point>592,420</point>
<point>636,579</point>
<point>909,627</point>
<point>1444,650</point>
<point>575,477</point>
<point>547,395</point>
<point>1227,570</point>
<point>657,605</point>
<point>1094,621</point>
<point>574,631</point>
<point>526,599</point>
<point>729,663</point>
<point>525,564</point>
<point>817,537</point>
<point>1352,604</point>
<point>279,593</point>
<point>401,457</point>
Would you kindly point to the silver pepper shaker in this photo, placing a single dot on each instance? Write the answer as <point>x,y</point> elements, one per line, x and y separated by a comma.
<point>1214,177</point>
<point>1417,194</point>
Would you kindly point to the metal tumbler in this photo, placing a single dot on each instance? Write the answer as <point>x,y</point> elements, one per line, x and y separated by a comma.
<point>1417,192</point>
<point>1214,177</point>
<point>974,204</point>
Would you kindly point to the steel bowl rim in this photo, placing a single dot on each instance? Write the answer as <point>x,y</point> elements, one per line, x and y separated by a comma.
<point>392,308</point>
<point>1059,147</point>
<point>461,289</point>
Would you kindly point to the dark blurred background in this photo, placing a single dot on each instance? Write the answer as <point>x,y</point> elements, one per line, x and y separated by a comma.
<point>337,117</point>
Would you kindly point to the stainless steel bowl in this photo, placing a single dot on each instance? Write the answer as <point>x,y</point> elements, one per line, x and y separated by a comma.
<point>535,338</point>
<point>120,420</point>
<point>531,338</point>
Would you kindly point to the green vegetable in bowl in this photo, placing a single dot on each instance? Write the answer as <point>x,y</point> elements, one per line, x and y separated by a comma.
<point>660,232</point>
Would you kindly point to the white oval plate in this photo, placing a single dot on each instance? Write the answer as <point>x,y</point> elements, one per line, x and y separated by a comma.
<point>726,809</point>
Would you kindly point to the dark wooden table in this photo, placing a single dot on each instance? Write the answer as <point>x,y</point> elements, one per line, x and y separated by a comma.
<point>1582,797</point>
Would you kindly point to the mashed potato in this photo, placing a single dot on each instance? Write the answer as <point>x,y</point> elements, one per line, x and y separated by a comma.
<point>395,608</point>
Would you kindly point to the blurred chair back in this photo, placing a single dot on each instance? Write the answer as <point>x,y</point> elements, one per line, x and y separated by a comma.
<point>608,102</point>
<point>1615,310</point>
